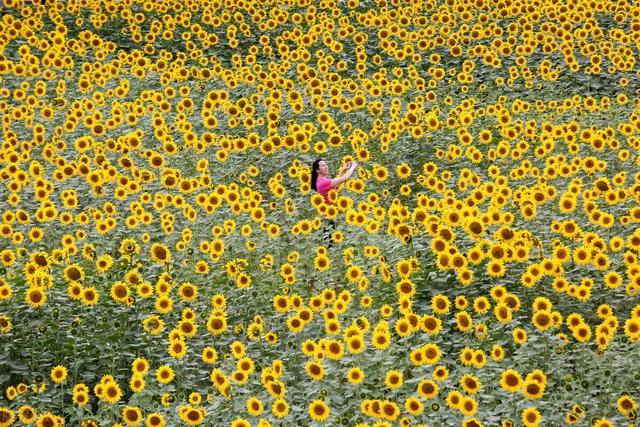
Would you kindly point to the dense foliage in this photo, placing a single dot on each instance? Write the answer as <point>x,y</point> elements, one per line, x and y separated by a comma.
<point>165,261</point>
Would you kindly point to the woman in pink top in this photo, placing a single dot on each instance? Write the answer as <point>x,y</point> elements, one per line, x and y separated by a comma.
<point>322,184</point>
<point>320,181</point>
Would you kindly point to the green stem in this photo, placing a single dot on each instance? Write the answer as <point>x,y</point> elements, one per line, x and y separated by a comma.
<point>61,401</point>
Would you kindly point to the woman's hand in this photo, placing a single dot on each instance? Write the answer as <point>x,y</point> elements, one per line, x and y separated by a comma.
<point>344,175</point>
<point>348,167</point>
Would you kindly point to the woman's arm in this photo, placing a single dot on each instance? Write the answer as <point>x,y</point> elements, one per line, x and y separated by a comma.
<point>345,169</point>
<point>335,182</point>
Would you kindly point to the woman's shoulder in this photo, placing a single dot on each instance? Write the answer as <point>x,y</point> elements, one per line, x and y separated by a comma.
<point>323,183</point>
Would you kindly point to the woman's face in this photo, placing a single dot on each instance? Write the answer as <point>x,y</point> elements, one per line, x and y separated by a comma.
<point>323,168</point>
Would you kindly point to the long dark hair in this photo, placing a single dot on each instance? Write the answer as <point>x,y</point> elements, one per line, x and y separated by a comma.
<point>314,173</point>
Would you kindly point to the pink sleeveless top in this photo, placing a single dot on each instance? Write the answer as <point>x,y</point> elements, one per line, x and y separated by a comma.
<point>323,185</point>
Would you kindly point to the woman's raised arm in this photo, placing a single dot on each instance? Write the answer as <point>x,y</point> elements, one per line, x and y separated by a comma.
<point>342,178</point>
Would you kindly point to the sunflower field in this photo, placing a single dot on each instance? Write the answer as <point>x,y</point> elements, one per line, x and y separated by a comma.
<point>165,261</point>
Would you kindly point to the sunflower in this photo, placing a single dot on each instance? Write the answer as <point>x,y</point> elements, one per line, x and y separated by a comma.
<point>465,276</point>
<point>481,305</point>
<point>389,410</point>
<point>164,374</point>
<point>453,400</point>
<point>542,320</point>
<point>90,296</point>
<point>531,417</point>
<point>160,253</point>
<point>281,303</point>
<point>503,313</point>
<point>519,335</point>
<point>632,328</point>
<point>497,353</point>
<point>430,324</point>
<point>322,263</point>
<point>11,392</point>
<point>403,170</point>
<point>470,384</point>
<point>120,292</point>
<point>381,340</point>
<point>137,383</point>
<point>601,262</point>
<point>315,370</point>
<point>187,328</point>
<point>27,414</point>
<point>111,393</point>
<point>58,374</point>
<point>219,380</point>
<point>440,373</point>
<point>132,415</point>
<point>466,356</point>
<point>217,324</point>
<point>334,349</point>
<point>403,327</point>
<point>318,410</point>
<point>567,203</point>
<point>74,273</point>
<point>209,355</point>
<point>240,422</point>
<point>414,406</point>
<point>166,399</point>
<point>295,324</point>
<point>164,305</point>
<point>273,230</point>
<point>356,344</point>
<point>440,304</point>
<point>582,332</point>
<point>153,324</point>
<point>190,415</point>
<point>602,422</point>
<point>155,419</point>
<point>405,287</point>
<point>428,389</point>
<point>511,380</point>
<point>571,418</point>
<point>7,416</point>
<point>581,255</point>
<point>280,408</point>
<point>393,379</point>
<point>238,349</point>
<point>626,404</point>
<point>35,297</point>
<point>355,375</point>
<point>177,349</point>
<point>495,269</point>
<point>255,406</point>
<point>464,322</point>
<point>612,280</point>
<point>468,406</point>
<point>48,419</point>
<point>188,292</point>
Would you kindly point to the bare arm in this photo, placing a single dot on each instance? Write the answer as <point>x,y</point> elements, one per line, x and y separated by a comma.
<point>335,182</point>
<point>345,169</point>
